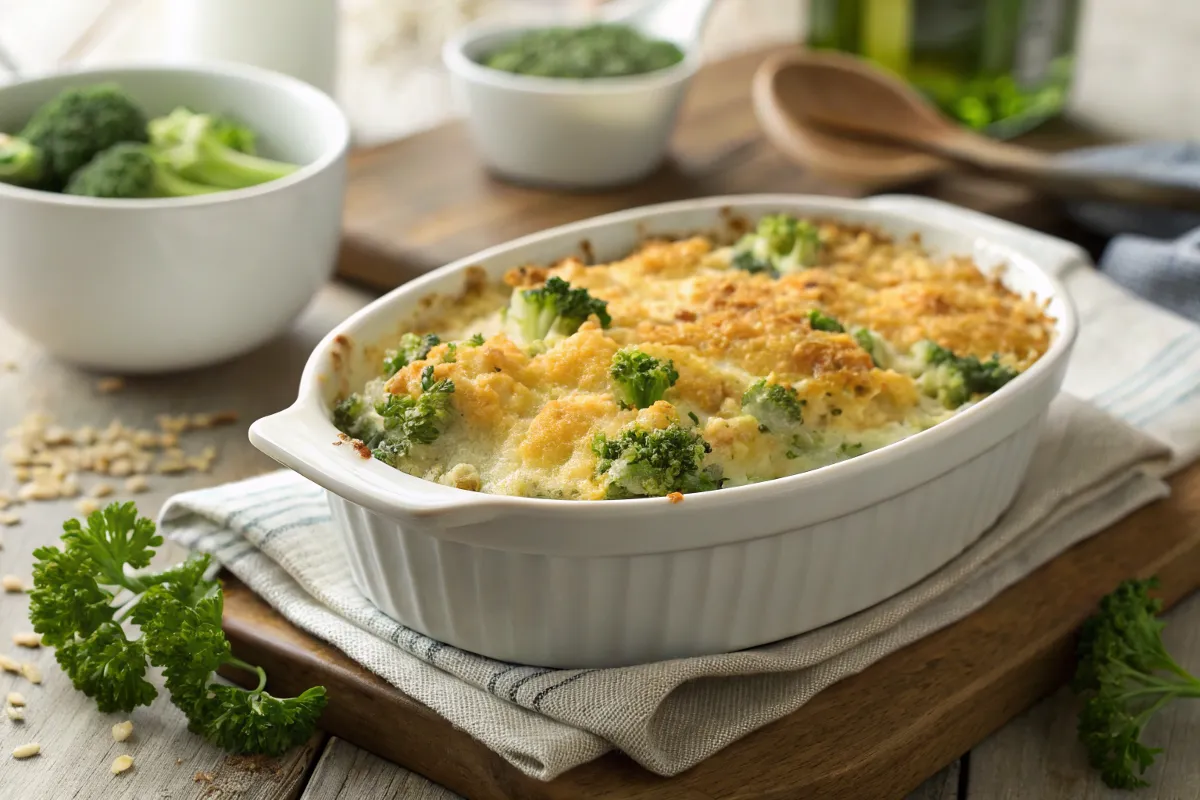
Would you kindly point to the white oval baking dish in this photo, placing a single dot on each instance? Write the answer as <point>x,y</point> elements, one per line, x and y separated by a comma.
<point>606,583</point>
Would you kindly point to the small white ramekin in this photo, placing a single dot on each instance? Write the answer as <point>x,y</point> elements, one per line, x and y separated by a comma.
<point>564,132</point>
<point>606,583</point>
<point>142,286</point>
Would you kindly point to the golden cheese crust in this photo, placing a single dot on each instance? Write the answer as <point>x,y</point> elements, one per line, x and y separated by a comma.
<point>526,419</point>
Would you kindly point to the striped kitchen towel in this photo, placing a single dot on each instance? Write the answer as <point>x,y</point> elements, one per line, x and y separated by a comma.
<point>1134,362</point>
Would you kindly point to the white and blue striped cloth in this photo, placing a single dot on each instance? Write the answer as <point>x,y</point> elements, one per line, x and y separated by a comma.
<point>1134,363</point>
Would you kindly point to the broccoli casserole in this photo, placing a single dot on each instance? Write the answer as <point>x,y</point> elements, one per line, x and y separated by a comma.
<point>692,365</point>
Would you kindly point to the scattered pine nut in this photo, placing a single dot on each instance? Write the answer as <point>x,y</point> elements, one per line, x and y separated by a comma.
<point>122,731</point>
<point>14,713</point>
<point>110,385</point>
<point>87,505</point>
<point>15,699</point>
<point>11,583</point>
<point>27,750</point>
<point>27,639</point>
<point>171,466</point>
<point>10,366</point>
<point>10,518</point>
<point>121,763</point>
<point>49,460</point>
<point>31,672</point>
<point>8,665</point>
<point>137,484</point>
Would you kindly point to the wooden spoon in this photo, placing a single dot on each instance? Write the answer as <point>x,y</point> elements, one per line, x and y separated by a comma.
<point>806,99</point>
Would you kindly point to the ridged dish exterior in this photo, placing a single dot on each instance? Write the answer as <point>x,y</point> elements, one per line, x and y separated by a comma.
<point>578,584</point>
<point>612,611</point>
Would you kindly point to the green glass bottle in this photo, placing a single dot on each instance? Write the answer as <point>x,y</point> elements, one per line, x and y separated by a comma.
<point>999,66</point>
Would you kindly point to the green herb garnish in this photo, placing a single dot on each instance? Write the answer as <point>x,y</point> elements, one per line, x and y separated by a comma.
<point>98,580</point>
<point>592,51</point>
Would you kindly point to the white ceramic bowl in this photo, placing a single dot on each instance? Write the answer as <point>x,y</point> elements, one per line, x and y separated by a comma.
<point>591,584</point>
<point>152,285</point>
<point>563,132</point>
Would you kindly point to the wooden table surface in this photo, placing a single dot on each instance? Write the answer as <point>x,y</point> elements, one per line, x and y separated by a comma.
<point>1035,756</point>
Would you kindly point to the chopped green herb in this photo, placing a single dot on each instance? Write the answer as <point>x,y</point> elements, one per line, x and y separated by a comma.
<point>591,51</point>
<point>475,341</point>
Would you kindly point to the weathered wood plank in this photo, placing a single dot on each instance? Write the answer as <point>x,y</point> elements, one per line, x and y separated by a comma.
<point>77,747</point>
<point>347,772</point>
<point>943,786</point>
<point>1037,755</point>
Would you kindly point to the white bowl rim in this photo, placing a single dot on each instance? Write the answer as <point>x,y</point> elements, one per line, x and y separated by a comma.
<point>308,407</point>
<point>457,61</point>
<point>258,75</point>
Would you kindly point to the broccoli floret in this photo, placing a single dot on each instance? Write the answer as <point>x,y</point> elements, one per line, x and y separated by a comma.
<point>779,245</point>
<point>641,379</point>
<point>820,321</point>
<point>775,405</point>
<point>876,347</point>
<point>409,421</point>
<point>553,308</point>
<point>412,348</point>
<point>128,171</point>
<point>642,463</point>
<point>20,162</point>
<point>350,417</point>
<point>234,134</point>
<point>78,123</point>
<point>205,149</point>
<point>1125,676</point>
<point>952,379</point>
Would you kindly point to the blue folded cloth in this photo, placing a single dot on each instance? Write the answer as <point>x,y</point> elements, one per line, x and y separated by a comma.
<point>1155,253</point>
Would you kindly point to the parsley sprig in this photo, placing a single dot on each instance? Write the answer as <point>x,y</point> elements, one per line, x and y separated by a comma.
<point>84,592</point>
<point>1126,675</point>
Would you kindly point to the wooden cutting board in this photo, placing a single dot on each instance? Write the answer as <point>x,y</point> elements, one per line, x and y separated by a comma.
<point>416,204</point>
<point>424,201</point>
<point>875,735</point>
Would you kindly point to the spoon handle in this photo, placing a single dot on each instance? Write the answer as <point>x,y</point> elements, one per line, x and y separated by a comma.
<point>1040,171</point>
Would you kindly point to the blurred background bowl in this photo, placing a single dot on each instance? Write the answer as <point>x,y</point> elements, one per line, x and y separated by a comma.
<point>564,132</point>
<point>139,286</point>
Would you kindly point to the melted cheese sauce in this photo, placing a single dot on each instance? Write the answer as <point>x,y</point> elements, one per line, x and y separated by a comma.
<point>524,421</point>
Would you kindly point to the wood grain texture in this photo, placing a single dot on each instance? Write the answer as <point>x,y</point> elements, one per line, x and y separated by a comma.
<point>77,747</point>
<point>347,772</point>
<point>426,200</point>
<point>1037,755</point>
<point>942,786</point>
<point>876,734</point>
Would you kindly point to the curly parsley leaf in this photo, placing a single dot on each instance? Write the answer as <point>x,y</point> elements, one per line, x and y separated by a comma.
<point>109,668</point>
<point>257,722</point>
<point>96,581</point>
<point>1126,675</point>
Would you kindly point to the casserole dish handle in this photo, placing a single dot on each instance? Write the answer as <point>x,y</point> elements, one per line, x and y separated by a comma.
<point>306,443</point>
